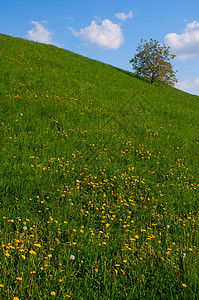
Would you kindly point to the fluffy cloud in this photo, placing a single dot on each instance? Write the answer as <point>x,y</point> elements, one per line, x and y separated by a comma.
<point>185,45</point>
<point>106,34</point>
<point>39,33</point>
<point>190,86</point>
<point>123,16</point>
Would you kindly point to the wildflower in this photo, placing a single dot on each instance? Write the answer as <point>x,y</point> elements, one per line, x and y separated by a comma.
<point>184,285</point>
<point>32,252</point>
<point>168,226</point>
<point>19,278</point>
<point>15,298</point>
<point>53,293</point>
<point>72,257</point>
<point>25,228</point>
<point>1,285</point>
<point>184,255</point>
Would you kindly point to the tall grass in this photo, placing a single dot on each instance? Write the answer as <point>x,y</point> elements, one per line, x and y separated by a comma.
<point>99,180</point>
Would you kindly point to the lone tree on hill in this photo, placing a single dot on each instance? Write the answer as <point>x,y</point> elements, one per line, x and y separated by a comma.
<point>153,61</point>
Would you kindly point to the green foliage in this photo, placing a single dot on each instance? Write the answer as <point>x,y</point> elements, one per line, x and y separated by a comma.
<point>99,181</point>
<point>153,61</point>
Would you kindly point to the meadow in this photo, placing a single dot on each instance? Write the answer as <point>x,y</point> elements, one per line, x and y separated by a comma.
<point>99,180</point>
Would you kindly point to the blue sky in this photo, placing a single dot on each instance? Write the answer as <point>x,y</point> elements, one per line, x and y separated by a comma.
<point>110,31</point>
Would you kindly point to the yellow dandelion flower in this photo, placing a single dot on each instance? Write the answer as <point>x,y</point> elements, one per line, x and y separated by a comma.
<point>184,285</point>
<point>32,252</point>
<point>1,285</point>
<point>37,245</point>
<point>53,293</point>
<point>19,278</point>
<point>15,298</point>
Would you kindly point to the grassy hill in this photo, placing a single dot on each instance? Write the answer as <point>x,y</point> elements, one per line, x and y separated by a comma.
<point>99,180</point>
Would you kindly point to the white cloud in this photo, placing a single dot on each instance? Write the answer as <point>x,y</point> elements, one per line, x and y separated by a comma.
<point>185,45</point>
<point>185,85</point>
<point>189,86</point>
<point>106,34</point>
<point>123,16</point>
<point>196,81</point>
<point>39,33</point>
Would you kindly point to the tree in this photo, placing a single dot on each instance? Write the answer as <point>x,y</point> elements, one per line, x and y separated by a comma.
<point>153,61</point>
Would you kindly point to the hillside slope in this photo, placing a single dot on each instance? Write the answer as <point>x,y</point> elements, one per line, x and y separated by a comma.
<point>104,166</point>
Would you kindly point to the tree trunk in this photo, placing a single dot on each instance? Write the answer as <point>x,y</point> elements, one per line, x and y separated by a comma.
<point>152,78</point>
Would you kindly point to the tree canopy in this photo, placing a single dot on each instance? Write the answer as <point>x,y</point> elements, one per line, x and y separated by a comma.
<point>153,61</point>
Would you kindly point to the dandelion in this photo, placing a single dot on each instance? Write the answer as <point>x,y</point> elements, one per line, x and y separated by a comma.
<point>15,298</point>
<point>53,293</point>
<point>1,285</point>
<point>19,278</point>
<point>32,252</point>
<point>72,257</point>
<point>184,285</point>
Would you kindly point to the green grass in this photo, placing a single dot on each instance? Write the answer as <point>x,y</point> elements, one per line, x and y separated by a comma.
<point>99,180</point>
